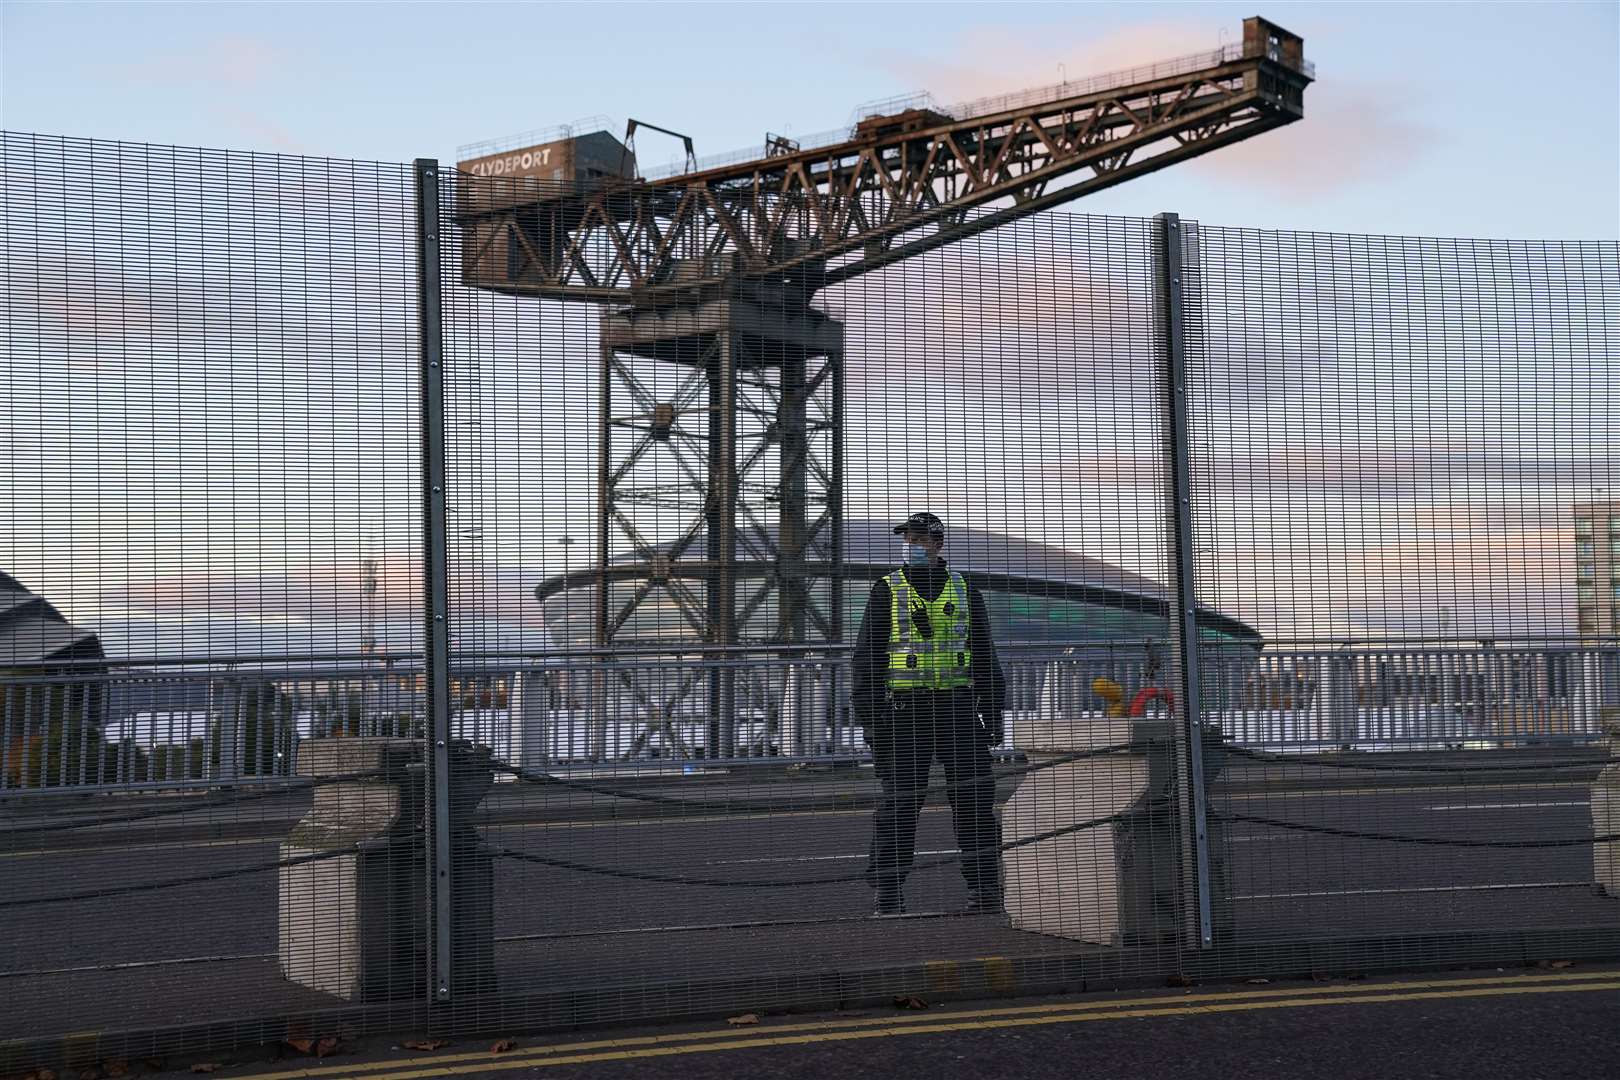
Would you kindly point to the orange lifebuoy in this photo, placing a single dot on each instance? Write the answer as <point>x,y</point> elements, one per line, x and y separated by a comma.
<point>1139,703</point>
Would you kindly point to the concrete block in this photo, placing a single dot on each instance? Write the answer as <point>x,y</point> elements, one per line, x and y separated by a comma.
<point>353,922</point>
<point>1606,822</point>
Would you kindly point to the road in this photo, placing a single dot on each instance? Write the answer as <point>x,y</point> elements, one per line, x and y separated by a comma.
<point>206,951</point>
<point>1479,1025</point>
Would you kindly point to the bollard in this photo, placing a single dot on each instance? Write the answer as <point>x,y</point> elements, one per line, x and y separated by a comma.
<point>1606,812</point>
<point>355,925</point>
<point>1124,883</point>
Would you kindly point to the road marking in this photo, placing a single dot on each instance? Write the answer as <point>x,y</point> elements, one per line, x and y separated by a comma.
<point>1431,789</point>
<point>682,1043</point>
<point>1414,889</point>
<point>1507,805</point>
<point>813,858</point>
<point>1338,994</point>
<point>168,846</point>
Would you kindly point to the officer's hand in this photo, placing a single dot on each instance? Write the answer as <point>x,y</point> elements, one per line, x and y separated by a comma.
<point>992,727</point>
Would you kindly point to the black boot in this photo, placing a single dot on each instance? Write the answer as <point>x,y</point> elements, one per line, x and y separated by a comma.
<point>888,900</point>
<point>985,902</point>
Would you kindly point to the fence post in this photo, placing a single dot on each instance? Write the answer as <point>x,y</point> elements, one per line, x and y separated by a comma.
<point>434,573</point>
<point>1182,603</point>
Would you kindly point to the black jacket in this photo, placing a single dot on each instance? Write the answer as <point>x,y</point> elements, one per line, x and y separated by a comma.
<point>871,661</point>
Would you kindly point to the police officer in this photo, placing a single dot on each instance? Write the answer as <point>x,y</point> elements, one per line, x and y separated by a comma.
<point>927,685</point>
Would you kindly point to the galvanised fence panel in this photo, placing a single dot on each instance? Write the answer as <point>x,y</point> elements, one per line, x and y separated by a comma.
<point>210,558</point>
<point>398,640</point>
<point>1404,472</point>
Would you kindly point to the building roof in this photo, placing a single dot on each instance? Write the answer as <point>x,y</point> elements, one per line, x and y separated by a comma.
<point>988,560</point>
<point>31,630</point>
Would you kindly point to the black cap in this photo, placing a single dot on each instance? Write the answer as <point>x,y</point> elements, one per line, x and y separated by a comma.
<point>923,522</point>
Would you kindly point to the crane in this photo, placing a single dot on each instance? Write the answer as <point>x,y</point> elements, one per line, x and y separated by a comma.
<point>713,268</point>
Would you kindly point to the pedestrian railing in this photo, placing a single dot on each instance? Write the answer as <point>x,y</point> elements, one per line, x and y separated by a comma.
<point>163,725</point>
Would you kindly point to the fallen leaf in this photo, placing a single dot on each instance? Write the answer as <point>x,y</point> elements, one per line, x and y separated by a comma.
<point>206,1067</point>
<point>156,1064</point>
<point>301,1044</point>
<point>92,1073</point>
<point>426,1044</point>
<point>326,1046</point>
<point>907,1001</point>
<point>42,1074</point>
<point>1317,976</point>
<point>1178,980</point>
<point>503,1045</point>
<point>116,1067</point>
<point>743,1020</point>
<point>1257,982</point>
<point>1555,964</point>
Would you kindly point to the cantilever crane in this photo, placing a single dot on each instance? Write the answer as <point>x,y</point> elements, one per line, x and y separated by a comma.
<point>714,269</point>
<point>898,185</point>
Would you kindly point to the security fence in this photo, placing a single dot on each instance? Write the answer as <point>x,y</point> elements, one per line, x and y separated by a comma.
<point>396,639</point>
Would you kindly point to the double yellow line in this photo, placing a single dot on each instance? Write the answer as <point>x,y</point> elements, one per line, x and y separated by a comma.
<point>800,1034</point>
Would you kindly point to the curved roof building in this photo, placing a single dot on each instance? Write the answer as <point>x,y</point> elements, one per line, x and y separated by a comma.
<point>1036,593</point>
<point>32,631</point>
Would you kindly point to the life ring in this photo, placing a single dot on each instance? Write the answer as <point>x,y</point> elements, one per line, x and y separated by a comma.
<point>1139,703</point>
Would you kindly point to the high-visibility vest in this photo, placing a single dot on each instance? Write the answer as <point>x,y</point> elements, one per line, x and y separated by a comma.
<point>942,661</point>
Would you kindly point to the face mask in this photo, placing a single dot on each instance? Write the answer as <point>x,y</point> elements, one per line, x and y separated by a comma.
<point>916,555</point>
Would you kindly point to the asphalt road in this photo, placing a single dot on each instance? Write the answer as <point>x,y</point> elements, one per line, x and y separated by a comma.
<point>563,928</point>
<point>1480,1025</point>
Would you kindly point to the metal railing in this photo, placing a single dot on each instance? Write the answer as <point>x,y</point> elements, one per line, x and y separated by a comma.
<point>147,726</point>
<point>985,106</point>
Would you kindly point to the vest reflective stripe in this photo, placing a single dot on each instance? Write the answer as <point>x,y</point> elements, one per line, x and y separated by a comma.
<point>942,661</point>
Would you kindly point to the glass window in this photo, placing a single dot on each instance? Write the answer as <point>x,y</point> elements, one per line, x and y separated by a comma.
<point>1583,571</point>
<point>1583,526</point>
<point>1583,549</point>
<point>1614,525</point>
<point>1614,589</point>
<point>1588,620</point>
<point>1614,547</point>
<point>1586,594</point>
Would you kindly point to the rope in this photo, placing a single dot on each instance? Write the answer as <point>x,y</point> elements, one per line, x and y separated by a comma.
<point>723,807</point>
<point>172,883</point>
<point>184,808</point>
<point>747,883</point>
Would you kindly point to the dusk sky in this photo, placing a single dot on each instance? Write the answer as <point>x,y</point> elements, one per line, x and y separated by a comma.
<point>1394,429</point>
<point>1477,120</point>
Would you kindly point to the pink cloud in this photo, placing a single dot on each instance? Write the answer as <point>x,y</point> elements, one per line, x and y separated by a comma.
<point>992,60</point>
<point>237,63</point>
<point>263,129</point>
<point>1351,133</point>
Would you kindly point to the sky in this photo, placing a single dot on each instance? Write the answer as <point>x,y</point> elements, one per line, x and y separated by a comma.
<point>212,406</point>
<point>1472,120</point>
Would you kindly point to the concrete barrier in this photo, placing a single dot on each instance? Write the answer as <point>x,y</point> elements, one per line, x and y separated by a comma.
<point>354,923</point>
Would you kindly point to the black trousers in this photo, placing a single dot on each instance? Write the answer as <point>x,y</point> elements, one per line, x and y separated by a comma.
<point>924,725</point>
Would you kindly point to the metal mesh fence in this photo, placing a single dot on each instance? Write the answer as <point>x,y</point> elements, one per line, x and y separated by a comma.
<point>211,568</point>
<point>472,647</point>
<point>1404,463</point>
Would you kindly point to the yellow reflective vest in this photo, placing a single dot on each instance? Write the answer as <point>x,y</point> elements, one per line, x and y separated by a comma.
<point>941,661</point>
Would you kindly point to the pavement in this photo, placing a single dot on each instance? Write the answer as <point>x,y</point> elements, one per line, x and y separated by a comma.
<point>579,947</point>
<point>1557,1022</point>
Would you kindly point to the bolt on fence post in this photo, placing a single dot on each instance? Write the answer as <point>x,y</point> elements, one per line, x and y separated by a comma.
<point>1182,604</point>
<point>434,573</point>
